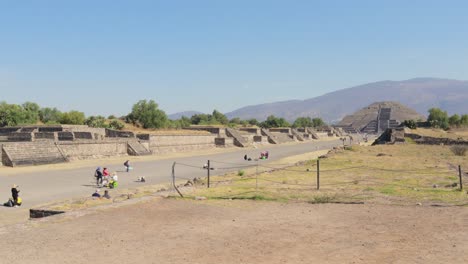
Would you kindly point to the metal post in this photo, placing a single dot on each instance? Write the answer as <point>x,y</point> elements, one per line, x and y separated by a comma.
<point>318,174</point>
<point>256,177</point>
<point>173,180</point>
<point>208,173</point>
<point>460,176</point>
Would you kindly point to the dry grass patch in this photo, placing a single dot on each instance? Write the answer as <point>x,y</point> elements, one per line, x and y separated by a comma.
<point>385,173</point>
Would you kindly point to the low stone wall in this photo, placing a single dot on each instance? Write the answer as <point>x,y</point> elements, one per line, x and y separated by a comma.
<point>174,143</point>
<point>44,136</point>
<point>143,136</point>
<point>212,130</point>
<point>92,149</point>
<point>19,136</point>
<point>250,130</point>
<point>119,134</point>
<point>84,128</point>
<point>83,135</point>
<point>280,130</point>
<point>322,134</point>
<point>65,136</point>
<point>260,139</point>
<point>9,129</point>
<point>224,142</point>
<point>435,141</point>
<point>50,129</point>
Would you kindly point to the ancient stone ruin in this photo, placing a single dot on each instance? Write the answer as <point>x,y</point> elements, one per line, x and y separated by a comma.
<point>34,145</point>
<point>377,117</point>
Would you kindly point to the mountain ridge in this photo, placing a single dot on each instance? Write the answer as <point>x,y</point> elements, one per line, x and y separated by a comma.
<point>420,94</point>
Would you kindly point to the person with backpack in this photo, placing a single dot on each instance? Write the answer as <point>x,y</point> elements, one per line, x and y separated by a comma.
<point>98,175</point>
<point>127,165</point>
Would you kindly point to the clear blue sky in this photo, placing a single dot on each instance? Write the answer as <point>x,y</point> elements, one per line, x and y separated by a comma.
<point>101,57</point>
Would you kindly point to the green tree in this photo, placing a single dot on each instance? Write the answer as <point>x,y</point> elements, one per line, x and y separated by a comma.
<point>317,122</point>
<point>73,118</point>
<point>219,118</point>
<point>31,112</point>
<point>454,120</point>
<point>273,121</point>
<point>464,120</point>
<point>303,122</point>
<point>11,114</point>
<point>116,124</point>
<point>410,124</point>
<point>96,121</point>
<point>438,118</point>
<point>49,115</point>
<point>199,119</point>
<point>147,114</point>
<point>235,121</point>
<point>253,122</point>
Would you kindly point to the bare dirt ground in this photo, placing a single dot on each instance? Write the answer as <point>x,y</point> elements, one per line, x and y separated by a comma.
<point>159,230</point>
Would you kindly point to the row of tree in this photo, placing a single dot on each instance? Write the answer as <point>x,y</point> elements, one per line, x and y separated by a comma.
<point>144,114</point>
<point>440,119</point>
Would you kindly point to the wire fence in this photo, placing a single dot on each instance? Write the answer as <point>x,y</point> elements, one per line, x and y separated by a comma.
<point>305,180</point>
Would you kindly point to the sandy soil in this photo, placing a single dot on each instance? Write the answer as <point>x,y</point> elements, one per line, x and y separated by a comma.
<point>159,230</point>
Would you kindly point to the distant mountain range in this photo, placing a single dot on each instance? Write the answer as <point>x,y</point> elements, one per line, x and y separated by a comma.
<point>420,94</point>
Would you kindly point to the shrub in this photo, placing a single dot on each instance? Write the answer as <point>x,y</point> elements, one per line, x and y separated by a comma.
<point>322,199</point>
<point>240,173</point>
<point>459,150</point>
<point>116,124</point>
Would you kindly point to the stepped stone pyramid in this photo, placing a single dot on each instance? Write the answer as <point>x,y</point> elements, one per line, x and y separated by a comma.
<point>379,116</point>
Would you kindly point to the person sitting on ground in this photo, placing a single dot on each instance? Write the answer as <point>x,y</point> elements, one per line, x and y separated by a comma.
<point>113,182</point>
<point>14,193</point>
<point>106,194</point>
<point>96,194</point>
<point>141,179</point>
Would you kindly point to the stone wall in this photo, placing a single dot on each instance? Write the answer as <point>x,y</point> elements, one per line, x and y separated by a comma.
<point>45,136</point>
<point>65,136</point>
<point>224,142</point>
<point>212,130</point>
<point>119,134</point>
<point>93,148</point>
<point>20,136</point>
<point>435,141</point>
<point>9,129</point>
<point>250,130</point>
<point>84,128</point>
<point>280,130</point>
<point>50,129</point>
<point>174,143</point>
<point>83,135</point>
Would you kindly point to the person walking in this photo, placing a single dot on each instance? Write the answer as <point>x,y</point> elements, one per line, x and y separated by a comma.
<point>98,175</point>
<point>127,165</point>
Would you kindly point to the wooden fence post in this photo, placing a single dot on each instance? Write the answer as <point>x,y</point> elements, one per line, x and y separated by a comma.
<point>318,174</point>
<point>460,176</point>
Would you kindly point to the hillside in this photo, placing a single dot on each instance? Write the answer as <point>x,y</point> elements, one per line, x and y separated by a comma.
<point>419,94</point>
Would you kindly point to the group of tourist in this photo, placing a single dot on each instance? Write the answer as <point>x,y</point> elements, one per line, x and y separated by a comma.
<point>15,199</point>
<point>105,179</point>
